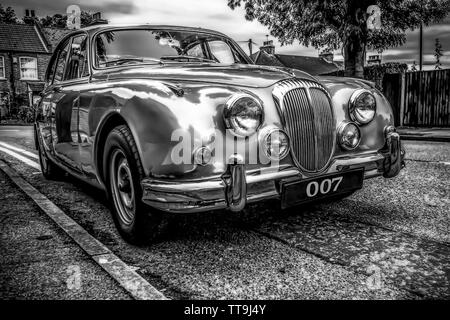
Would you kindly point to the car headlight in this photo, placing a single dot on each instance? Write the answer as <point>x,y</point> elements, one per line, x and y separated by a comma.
<point>275,144</point>
<point>349,135</point>
<point>362,106</point>
<point>243,114</point>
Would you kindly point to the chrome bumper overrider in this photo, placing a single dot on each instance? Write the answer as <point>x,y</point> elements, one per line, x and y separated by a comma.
<point>237,187</point>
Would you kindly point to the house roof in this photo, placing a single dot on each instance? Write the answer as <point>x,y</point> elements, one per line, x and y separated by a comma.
<point>266,59</point>
<point>21,38</point>
<point>311,65</point>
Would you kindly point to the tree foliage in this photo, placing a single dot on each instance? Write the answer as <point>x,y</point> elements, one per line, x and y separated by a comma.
<point>60,20</point>
<point>376,72</point>
<point>7,15</point>
<point>334,24</point>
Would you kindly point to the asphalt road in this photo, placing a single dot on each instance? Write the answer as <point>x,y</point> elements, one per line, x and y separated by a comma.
<point>390,240</point>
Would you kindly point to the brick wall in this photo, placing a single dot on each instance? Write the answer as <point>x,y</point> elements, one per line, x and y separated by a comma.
<point>20,85</point>
<point>4,82</point>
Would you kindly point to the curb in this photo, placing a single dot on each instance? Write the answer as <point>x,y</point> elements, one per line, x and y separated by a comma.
<point>126,276</point>
<point>424,138</point>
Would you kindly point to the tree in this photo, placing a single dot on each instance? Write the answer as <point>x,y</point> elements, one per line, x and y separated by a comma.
<point>57,20</point>
<point>335,23</point>
<point>438,54</point>
<point>7,15</point>
<point>60,20</point>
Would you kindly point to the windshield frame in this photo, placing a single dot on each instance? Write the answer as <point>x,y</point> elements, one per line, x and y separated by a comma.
<point>233,45</point>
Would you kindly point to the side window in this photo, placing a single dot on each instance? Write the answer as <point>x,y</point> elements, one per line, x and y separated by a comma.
<point>77,63</point>
<point>196,51</point>
<point>61,63</point>
<point>221,51</point>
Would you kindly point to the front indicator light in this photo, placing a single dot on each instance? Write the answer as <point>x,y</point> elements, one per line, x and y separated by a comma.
<point>202,156</point>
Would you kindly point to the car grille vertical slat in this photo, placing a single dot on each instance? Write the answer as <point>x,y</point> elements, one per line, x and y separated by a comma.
<point>324,121</point>
<point>309,121</point>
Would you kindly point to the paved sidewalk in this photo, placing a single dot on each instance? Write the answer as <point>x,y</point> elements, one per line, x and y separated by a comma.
<point>38,261</point>
<point>425,134</point>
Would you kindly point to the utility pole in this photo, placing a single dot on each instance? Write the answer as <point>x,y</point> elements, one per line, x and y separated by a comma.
<point>421,47</point>
<point>250,46</point>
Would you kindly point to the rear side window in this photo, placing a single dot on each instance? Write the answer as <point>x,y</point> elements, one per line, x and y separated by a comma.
<point>61,63</point>
<point>77,63</point>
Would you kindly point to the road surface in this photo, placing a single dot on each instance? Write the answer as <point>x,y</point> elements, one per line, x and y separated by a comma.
<point>390,240</point>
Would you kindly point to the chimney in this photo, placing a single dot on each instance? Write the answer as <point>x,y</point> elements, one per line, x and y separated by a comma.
<point>268,47</point>
<point>30,16</point>
<point>97,19</point>
<point>328,56</point>
<point>97,16</point>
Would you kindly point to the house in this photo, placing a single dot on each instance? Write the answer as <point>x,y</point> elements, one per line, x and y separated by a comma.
<point>25,51</point>
<point>24,55</point>
<point>324,64</point>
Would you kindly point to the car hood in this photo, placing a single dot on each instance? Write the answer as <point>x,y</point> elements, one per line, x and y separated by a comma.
<point>229,74</point>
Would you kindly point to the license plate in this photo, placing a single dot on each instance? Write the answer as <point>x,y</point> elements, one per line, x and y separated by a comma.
<point>297,192</point>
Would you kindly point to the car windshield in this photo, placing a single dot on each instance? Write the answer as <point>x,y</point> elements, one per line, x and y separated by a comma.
<point>120,47</point>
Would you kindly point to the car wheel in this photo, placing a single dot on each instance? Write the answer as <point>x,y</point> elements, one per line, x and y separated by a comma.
<point>136,222</point>
<point>49,170</point>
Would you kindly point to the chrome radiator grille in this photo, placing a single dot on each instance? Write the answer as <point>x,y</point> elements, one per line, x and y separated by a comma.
<point>308,118</point>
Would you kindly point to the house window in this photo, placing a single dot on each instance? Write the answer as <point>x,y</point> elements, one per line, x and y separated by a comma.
<point>28,68</point>
<point>2,67</point>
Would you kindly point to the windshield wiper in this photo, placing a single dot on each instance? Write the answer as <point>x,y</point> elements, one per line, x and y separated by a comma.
<point>121,61</point>
<point>181,56</point>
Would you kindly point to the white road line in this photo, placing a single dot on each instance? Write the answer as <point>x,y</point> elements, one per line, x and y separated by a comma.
<point>9,130</point>
<point>126,276</point>
<point>23,151</point>
<point>27,161</point>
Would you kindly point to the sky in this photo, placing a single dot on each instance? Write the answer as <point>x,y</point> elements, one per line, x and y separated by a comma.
<point>216,15</point>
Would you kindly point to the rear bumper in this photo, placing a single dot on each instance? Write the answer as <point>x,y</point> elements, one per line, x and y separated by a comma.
<point>237,187</point>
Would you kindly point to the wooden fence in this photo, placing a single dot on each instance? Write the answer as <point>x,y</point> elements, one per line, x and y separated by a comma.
<point>419,99</point>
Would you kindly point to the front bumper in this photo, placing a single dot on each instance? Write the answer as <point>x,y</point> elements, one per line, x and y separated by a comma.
<point>237,187</point>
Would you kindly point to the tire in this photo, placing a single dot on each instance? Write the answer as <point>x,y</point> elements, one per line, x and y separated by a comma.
<point>50,171</point>
<point>137,223</point>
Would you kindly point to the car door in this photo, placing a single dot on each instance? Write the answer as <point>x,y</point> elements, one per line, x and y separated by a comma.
<point>76,78</point>
<point>64,98</point>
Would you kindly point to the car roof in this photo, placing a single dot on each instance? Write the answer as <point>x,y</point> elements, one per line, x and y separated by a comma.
<point>93,29</point>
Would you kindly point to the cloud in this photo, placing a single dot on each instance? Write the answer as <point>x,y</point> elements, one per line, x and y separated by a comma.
<point>216,15</point>
<point>49,7</point>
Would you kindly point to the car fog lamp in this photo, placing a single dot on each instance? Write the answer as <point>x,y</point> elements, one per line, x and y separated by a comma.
<point>276,145</point>
<point>349,135</point>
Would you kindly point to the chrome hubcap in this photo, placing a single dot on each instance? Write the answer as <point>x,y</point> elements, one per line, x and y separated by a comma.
<point>122,187</point>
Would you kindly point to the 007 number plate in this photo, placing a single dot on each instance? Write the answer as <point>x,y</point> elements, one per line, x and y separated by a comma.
<point>298,192</point>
